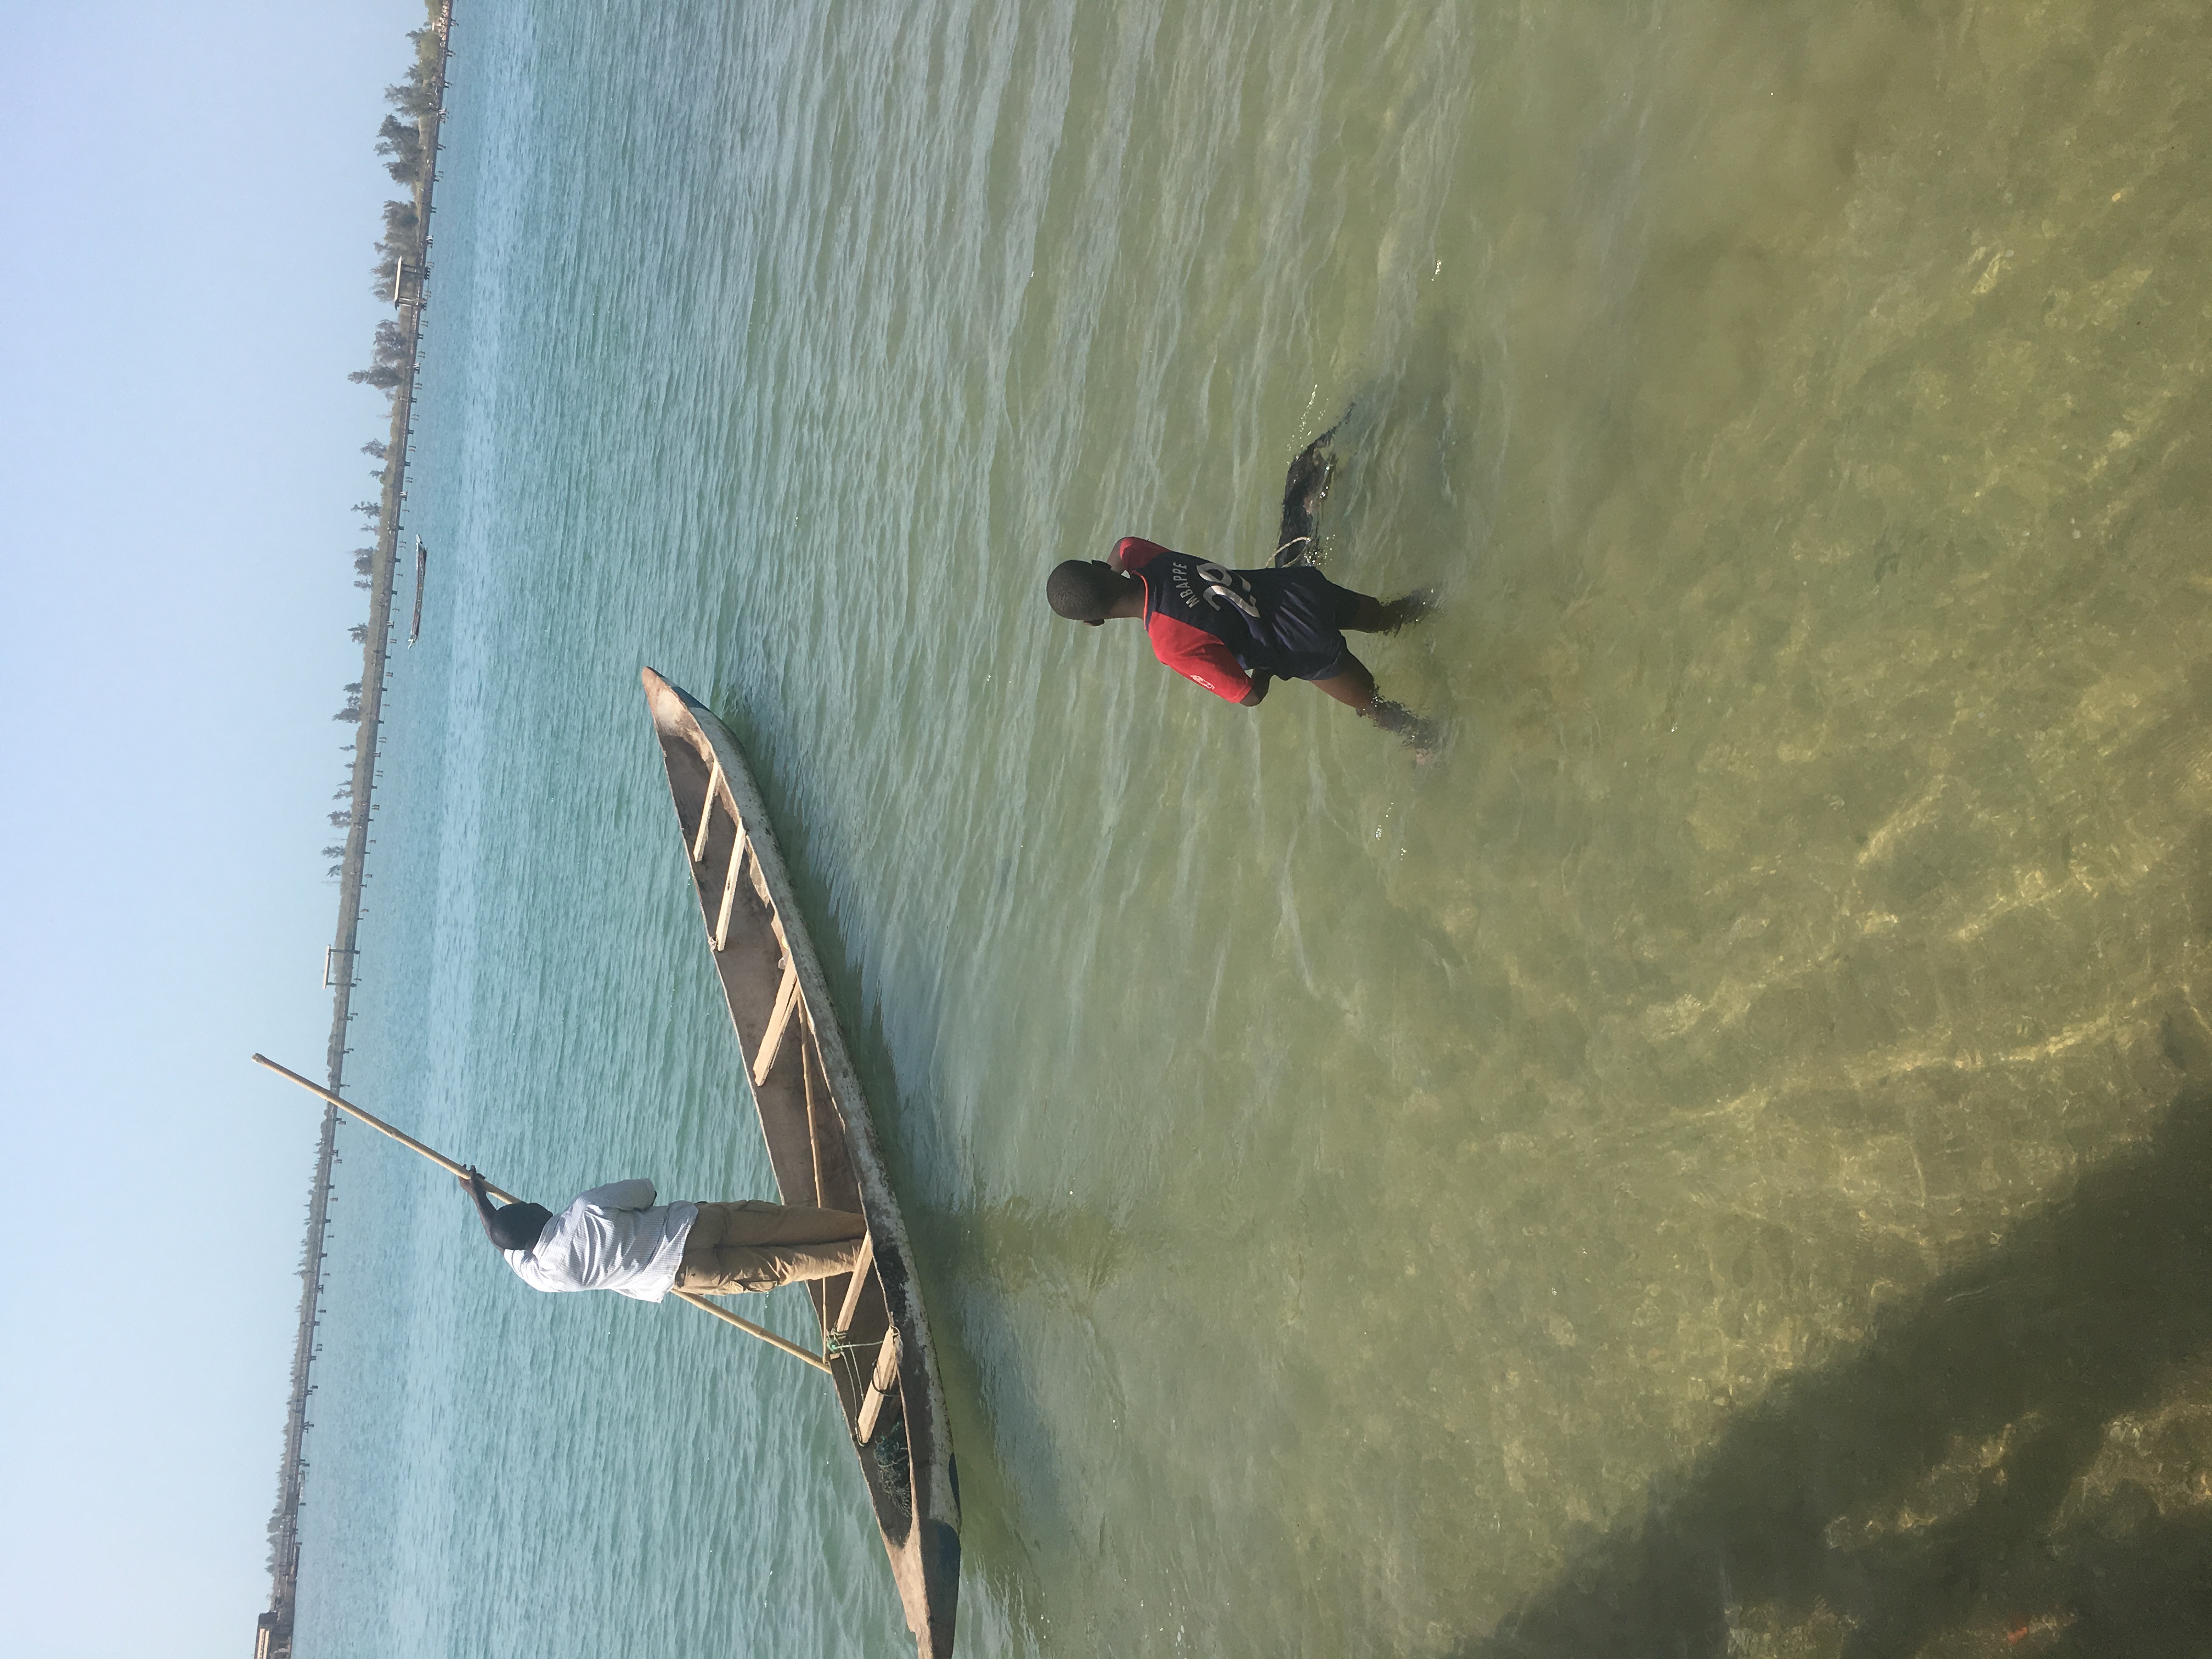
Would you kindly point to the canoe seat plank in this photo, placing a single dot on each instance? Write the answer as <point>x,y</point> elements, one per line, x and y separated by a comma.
<point>855,1285</point>
<point>707,810</point>
<point>729,892</point>
<point>786,998</point>
<point>879,1387</point>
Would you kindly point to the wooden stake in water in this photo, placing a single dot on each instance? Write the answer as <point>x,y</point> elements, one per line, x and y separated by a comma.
<point>444,1163</point>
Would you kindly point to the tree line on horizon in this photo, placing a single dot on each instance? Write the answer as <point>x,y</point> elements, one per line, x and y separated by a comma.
<point>413,98</point>
<point>310,1270</point>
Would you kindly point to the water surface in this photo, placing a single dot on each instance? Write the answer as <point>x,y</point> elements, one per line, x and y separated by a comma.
<point>1717,1162</point>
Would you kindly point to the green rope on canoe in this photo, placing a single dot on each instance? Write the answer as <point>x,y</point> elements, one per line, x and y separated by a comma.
<point>836,1346</point>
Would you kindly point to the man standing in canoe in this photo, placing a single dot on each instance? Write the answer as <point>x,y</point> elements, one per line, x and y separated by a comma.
<point>1233,631</point>
<point>616,1238</point>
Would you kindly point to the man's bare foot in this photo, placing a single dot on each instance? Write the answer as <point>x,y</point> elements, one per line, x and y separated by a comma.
<point>1421,736</point>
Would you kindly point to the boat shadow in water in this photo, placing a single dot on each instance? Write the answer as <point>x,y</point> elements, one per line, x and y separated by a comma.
<point>996,1261</point>
<point>1985,1402</point>
<point>1007,1513</point>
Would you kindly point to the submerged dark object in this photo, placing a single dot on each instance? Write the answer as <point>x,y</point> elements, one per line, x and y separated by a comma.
<point>1304,488</point>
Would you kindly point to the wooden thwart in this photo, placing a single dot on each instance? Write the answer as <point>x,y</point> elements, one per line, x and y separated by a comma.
<point>786,998</point>
<point>707,810</point>
<point>880,1386</point>
<point>857,1283</point>
<point>729,893</point>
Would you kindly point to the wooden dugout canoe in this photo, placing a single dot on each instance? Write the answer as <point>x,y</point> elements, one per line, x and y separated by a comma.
<point>822,1147</point>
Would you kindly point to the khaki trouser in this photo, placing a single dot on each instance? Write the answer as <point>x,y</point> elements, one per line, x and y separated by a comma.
<point>757,1246</point>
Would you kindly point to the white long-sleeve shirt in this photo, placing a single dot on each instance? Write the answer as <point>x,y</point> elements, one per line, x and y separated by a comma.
<point>612,1238</point>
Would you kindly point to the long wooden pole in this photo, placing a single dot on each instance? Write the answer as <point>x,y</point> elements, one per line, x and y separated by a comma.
<point>446,1163</point>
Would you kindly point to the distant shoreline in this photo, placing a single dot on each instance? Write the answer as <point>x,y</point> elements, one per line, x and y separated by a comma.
<point>273,1635</point>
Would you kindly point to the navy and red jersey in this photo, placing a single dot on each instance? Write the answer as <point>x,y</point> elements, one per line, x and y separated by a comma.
<point>1219,627</point>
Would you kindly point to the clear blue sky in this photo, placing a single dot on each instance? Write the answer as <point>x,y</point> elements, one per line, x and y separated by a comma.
<point>188,224</point>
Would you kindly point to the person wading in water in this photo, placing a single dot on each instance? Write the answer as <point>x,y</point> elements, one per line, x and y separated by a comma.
<point>1234,631</point>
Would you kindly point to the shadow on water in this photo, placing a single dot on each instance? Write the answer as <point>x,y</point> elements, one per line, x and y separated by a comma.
<point>1929,1486</point>
<point>1398,500</point>
<point>1017,1507</point>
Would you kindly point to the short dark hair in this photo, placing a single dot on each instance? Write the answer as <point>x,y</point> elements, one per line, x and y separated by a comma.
<point>517,1226</point>
<point>1082,590</point>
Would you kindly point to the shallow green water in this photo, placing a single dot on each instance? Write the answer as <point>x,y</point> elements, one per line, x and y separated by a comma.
<point>1717,1162</point>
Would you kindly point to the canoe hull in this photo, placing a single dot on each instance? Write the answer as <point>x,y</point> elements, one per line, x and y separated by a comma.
<point>822,1146</point>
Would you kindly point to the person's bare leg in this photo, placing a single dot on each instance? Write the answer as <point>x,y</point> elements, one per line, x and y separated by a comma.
<point>1355,689</point>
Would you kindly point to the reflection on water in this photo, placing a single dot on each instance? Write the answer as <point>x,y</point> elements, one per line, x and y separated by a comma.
<point>2021,1452</point>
